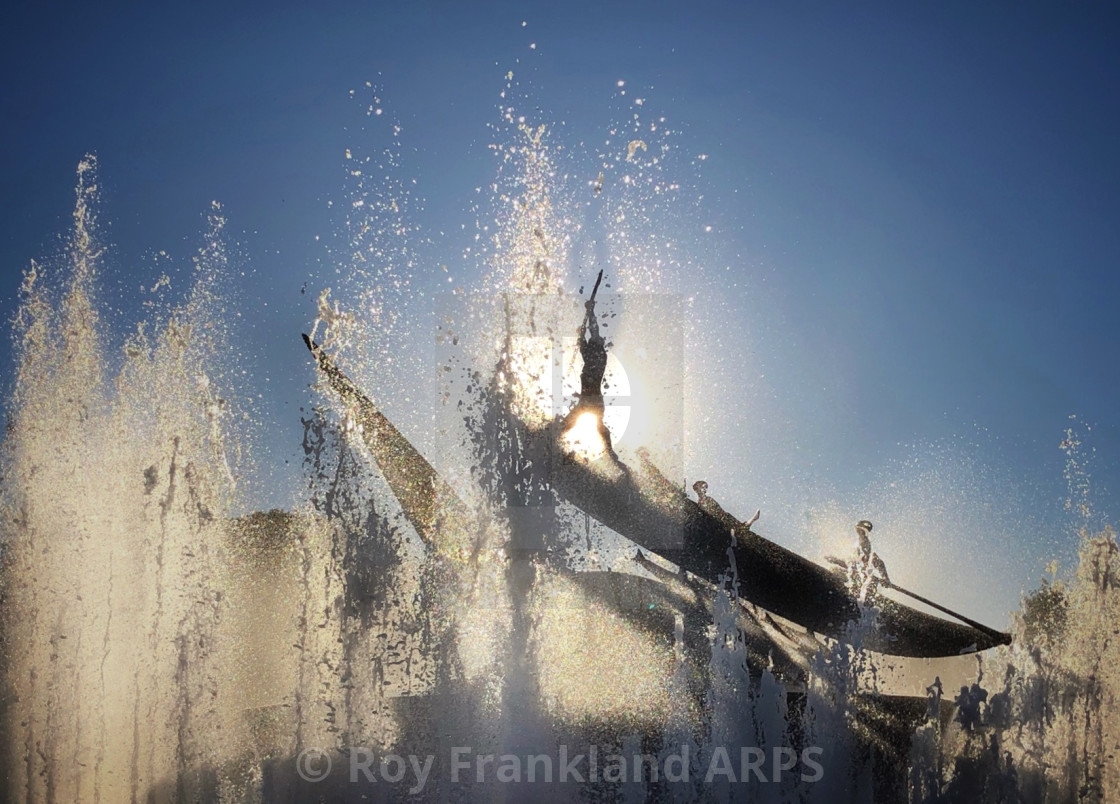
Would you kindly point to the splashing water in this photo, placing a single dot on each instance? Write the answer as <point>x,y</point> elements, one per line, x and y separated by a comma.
<point>115,497</point>
<point>157,647</point>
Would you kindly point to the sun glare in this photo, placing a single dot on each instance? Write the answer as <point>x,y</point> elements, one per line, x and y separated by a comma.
<point>545,374</point>
<point>583,438</point>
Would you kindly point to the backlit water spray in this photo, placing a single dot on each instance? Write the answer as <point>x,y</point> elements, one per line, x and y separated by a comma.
<point>159,647</point>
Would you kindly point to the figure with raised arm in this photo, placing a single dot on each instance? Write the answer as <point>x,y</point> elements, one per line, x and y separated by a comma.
<point>593,350</point>
<point>709,506</point>
<point>867,572</point>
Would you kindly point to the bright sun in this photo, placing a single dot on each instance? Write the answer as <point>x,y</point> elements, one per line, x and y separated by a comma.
<point>546,376</point>
<point>583,438</point>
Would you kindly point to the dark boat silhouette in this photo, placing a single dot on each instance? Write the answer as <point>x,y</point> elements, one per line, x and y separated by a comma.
<point>642,505</point>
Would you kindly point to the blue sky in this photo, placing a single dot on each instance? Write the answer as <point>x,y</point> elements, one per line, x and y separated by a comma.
<point>909,283</point>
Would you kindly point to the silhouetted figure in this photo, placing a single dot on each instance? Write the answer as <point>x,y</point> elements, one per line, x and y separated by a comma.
<point>593,350</point>
<point>709,506</point>
<point>968,706</point>
<point>933,699</point>
<point>867,572</point>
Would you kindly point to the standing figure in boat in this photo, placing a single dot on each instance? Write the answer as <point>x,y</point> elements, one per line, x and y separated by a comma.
<point>593,350</point>
<point>711,507</point>
<point>867,572</point>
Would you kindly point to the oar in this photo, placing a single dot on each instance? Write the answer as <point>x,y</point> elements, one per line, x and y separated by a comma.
<point>595,290</point>
<point>1004,639</point>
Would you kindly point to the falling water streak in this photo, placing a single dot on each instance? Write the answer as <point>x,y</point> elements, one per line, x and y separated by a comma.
<point>70,453</point>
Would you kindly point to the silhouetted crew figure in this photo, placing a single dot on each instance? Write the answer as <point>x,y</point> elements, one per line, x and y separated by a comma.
<point>593,350</point>
<point>968,706</point>
<point>933,698</point>
<point>867,572</point>
<point>709,506</point>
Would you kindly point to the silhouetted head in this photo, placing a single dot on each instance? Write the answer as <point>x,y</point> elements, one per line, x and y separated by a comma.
<point>701,488</point>
<point>863,527</point>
